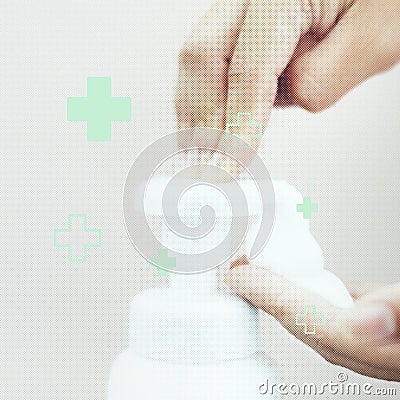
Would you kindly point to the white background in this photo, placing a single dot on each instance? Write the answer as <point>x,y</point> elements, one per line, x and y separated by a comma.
<point>61,323</point>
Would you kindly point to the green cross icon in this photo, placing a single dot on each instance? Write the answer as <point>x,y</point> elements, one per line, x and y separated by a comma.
<point>164,261</point>
<point>77,238</point>
<point>314,315</point>
<point>250,124</point>
<point>99,109</point>
<point>307,208</point>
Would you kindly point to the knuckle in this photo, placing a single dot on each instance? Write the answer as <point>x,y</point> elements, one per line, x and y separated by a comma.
<point>242,67</point>
<point>321,344</point>
<point>244,76</point>
<point>330,356</point>
<point>258,79</point>
<point>387,51</point>
<point>309,94</point>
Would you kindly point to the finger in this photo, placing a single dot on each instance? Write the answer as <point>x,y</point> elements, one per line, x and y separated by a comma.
<point>266,43</point>
<point>203,68</point>
<point>390,293</point>
<point>276,295</point>
<point>337,330</point>
<point>364,368</point>
<point>307,42</point>
<point>359,289</point>
<point>242,260</point>
<point>351,53</point>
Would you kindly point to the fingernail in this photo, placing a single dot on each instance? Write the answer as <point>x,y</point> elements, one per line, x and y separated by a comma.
<point>375,322</point>
<point>242,260</point>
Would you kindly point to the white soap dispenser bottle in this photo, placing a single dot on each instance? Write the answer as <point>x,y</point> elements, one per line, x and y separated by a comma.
<point>191,340</point>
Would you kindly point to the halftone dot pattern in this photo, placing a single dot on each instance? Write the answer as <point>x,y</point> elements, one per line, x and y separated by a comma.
<point>62,326</point>
<point>263,61</point>
<point>190,209</point>
<point>201,338</point>
<point>220,81</point>
<point>211,188</point>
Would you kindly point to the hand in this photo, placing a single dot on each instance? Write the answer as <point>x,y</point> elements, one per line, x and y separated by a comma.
<point>365,339</point>
<point>247,55</point>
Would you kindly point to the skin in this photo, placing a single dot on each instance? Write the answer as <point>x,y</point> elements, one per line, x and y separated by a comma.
<point>252,55</point>
<point>249,55</point>
<point>365,339</point>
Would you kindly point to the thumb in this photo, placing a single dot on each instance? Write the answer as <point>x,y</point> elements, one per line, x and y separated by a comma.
<point>351,53</point>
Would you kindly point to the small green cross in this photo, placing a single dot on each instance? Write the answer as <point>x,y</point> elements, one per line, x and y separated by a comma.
<point>315,315</point>
<point>77,229</point>
<point>99,109</point>
<point>164,261</point>
<point>250,124</point>
<point>307,208</point>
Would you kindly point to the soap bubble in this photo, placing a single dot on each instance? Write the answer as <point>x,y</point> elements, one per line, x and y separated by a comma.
<point>185,211</point>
